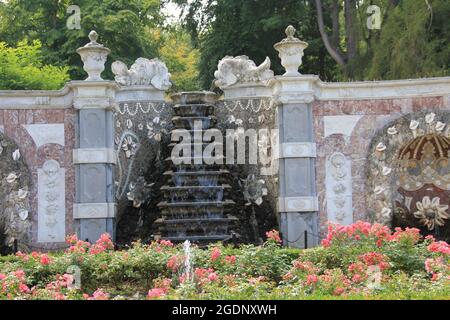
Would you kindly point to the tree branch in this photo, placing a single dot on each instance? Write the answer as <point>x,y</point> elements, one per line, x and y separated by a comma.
<point>335,21</point>
<point>334,53</point>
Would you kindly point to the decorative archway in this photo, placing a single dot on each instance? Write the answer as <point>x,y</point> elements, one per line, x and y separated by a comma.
<point>14,197</point>
<point>408,174</point>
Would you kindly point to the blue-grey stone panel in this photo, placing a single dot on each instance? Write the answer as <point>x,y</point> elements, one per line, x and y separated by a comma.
<point>92,229</point>
<point>294,226</point>
<point>299,177</point>
<point>93,183</point>
<point>93,128</point>
<point>296,123</point>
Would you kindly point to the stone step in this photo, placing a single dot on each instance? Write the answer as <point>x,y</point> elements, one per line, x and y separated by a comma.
<point>197,110</point>
<point>199,238</point>
<point>197,178</point>
<point>197,136</point>
<point>189,123</point>
<point>196,220</point>
<point>195,97</point>
<point>194,204</point>
<point>195,193</point>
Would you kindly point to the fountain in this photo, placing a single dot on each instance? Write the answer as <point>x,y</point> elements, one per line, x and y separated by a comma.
<point>188,261</point>
<point>195,206</point>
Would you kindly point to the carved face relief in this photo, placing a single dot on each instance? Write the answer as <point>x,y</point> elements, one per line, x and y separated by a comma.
<point>51,168</point>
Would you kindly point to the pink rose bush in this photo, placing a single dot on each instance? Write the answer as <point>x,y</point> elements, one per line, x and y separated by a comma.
<point>362,260</point>
<point>274,236</point>
<point>356,259</point>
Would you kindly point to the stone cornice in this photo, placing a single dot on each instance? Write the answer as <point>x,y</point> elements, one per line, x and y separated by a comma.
<point>288,88</point>
<point>140,93</point>
<point>392,89</point>
<point>302,89</point>
<point>36,99</point>
<point>249,90</point>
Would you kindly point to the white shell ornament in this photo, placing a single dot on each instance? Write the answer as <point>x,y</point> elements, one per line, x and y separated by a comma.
<point>414,125</point>
<point>23,215</point>
<point>22,194</point>
<point>429,118</point>
<point>386,212</point>
<point>381,147</point>
<point>392,131</point>
<point>440,126</point>
<point>11,177</point>
<point>16,155</point>
<point>379,190</point>
<point>386,171</point>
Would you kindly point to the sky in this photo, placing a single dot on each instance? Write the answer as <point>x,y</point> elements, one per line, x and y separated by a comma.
<point>173,12</point>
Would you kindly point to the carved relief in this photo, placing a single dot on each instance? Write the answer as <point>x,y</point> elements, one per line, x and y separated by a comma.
<point>409,174</point>
<point>51,203</point>
<point>237,70</point>
<point>143,72</point>
<point>339,189</point>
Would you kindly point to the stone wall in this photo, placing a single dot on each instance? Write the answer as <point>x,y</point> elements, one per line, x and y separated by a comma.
<point>254,185</point>
<point>346,128</point>
<point>45,137</point>
<point>142,138</point>
<point>94,152</point>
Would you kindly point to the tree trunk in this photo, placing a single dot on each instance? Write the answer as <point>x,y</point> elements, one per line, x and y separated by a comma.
<point>335,23</point>
<point>351,35</point>
<point>333,51</point>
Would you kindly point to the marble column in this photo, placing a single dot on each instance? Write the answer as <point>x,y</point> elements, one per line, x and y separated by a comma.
<point>298,203</point>
<point>94,158</point>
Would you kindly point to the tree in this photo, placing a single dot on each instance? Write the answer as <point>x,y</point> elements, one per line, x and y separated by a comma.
<point>235,27</point>
<point>181,58</point>
<point>412,41</point>
<point>21,68</point>
<point>122,26</point>
<point>350,41</point>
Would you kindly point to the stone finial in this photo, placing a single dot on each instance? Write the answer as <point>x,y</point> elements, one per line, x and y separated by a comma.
<point>93,36</point>
<point>290,52</point>
<point>94,57</point>
<point>290,32</point>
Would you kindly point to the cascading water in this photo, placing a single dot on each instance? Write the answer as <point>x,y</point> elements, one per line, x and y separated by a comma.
<point>195,207</point>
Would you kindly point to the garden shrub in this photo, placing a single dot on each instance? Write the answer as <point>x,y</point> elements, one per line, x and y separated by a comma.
<point>361,261</point>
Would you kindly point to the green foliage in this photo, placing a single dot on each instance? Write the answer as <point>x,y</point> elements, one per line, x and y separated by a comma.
<point>235,27</point>
<point>22,68</point>
<point>122,25</point>
<point>409,267</point>
<point>412,44</point>
<point>181,59</point>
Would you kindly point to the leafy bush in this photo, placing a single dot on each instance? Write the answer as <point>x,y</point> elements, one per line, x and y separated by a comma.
<point>21,68</point>
<point>361,261</point>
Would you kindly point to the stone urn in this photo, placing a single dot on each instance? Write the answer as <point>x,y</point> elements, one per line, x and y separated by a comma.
<point>94,57</point>
<point>290,52</point>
